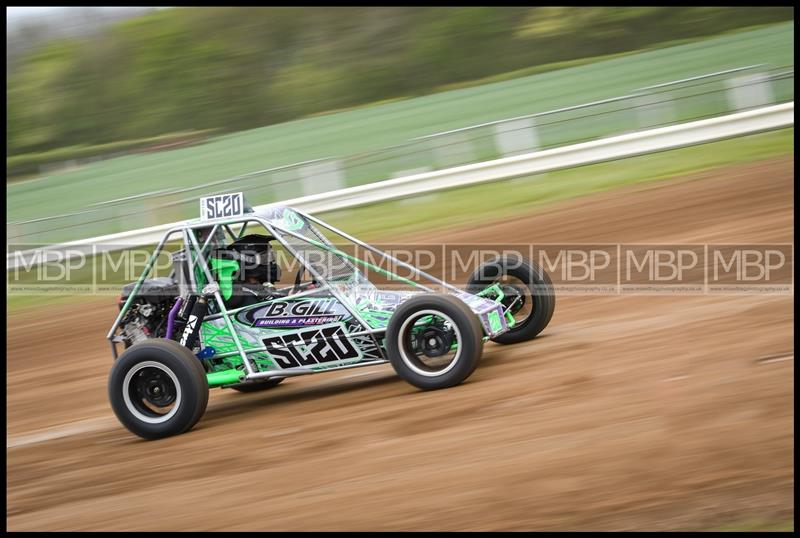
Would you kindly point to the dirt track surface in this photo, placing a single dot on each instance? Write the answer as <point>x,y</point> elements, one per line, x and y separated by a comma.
<point>629,412</point>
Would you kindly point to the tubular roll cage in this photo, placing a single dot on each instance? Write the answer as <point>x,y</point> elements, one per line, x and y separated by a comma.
<point>190,244</point>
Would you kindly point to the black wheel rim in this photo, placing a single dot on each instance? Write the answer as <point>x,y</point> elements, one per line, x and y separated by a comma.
<point>429,343</point>
<point>151,392</point>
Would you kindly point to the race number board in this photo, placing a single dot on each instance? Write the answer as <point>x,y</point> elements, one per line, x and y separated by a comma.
<point>222,206</point>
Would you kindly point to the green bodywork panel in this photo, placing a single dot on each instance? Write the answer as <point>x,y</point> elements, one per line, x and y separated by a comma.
<point>227,370</point>
<point>220,338</point>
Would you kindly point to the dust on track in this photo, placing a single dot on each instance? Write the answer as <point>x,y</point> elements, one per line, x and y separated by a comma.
<point>629,412</point>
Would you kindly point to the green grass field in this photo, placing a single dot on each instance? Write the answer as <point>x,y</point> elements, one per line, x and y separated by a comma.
<point>366,129</point>
<point>469,205</point>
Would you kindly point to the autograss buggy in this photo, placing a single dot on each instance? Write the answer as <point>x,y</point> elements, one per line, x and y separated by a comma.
<point>181,335</point>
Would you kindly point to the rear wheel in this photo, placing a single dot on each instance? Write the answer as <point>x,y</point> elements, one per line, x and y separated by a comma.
<point>434,341</point>
<point>158,388</point>
<point>529,295</point>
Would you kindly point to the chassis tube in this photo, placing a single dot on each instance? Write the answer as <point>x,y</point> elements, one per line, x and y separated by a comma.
<point>187,245</point>
<point>142,278</point>
<point>205,244</point>
<point>224,311</point>
<point>377,251</point>
<point>351,259</point>
<point>294,372</point>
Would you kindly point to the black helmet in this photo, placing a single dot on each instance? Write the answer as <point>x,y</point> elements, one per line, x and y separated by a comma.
<point>255,256</point>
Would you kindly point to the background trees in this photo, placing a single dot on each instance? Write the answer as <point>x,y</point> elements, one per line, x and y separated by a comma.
<point>238,68</point>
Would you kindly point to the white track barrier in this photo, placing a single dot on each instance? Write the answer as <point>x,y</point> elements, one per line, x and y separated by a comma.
<point>595,151</point>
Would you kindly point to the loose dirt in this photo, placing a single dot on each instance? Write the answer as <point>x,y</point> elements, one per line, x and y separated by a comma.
<point>628,412</point>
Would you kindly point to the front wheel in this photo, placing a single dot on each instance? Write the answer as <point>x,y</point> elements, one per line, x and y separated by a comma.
<point>528,295</point>
<point>158,388</point>
<point>434,341</point>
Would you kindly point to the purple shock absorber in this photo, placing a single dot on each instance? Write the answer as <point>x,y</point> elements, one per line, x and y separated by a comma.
<point>171,318</point>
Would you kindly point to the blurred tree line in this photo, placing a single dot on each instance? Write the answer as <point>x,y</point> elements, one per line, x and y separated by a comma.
<point>238,68</point>
<point>25,32</point>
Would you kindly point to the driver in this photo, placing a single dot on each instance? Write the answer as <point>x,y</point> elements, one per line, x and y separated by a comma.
<point>254,281</point>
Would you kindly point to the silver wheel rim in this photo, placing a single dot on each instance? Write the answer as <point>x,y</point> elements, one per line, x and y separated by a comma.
<point>129,403</point>
<point>404,353</point>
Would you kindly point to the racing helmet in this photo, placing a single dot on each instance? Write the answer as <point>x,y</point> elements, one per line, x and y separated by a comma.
<point>255,256</point>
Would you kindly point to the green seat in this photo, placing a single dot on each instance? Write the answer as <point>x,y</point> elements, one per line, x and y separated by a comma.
<point>223,271</point>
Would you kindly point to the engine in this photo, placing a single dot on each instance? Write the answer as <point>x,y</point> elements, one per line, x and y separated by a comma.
<point>148,314</point>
